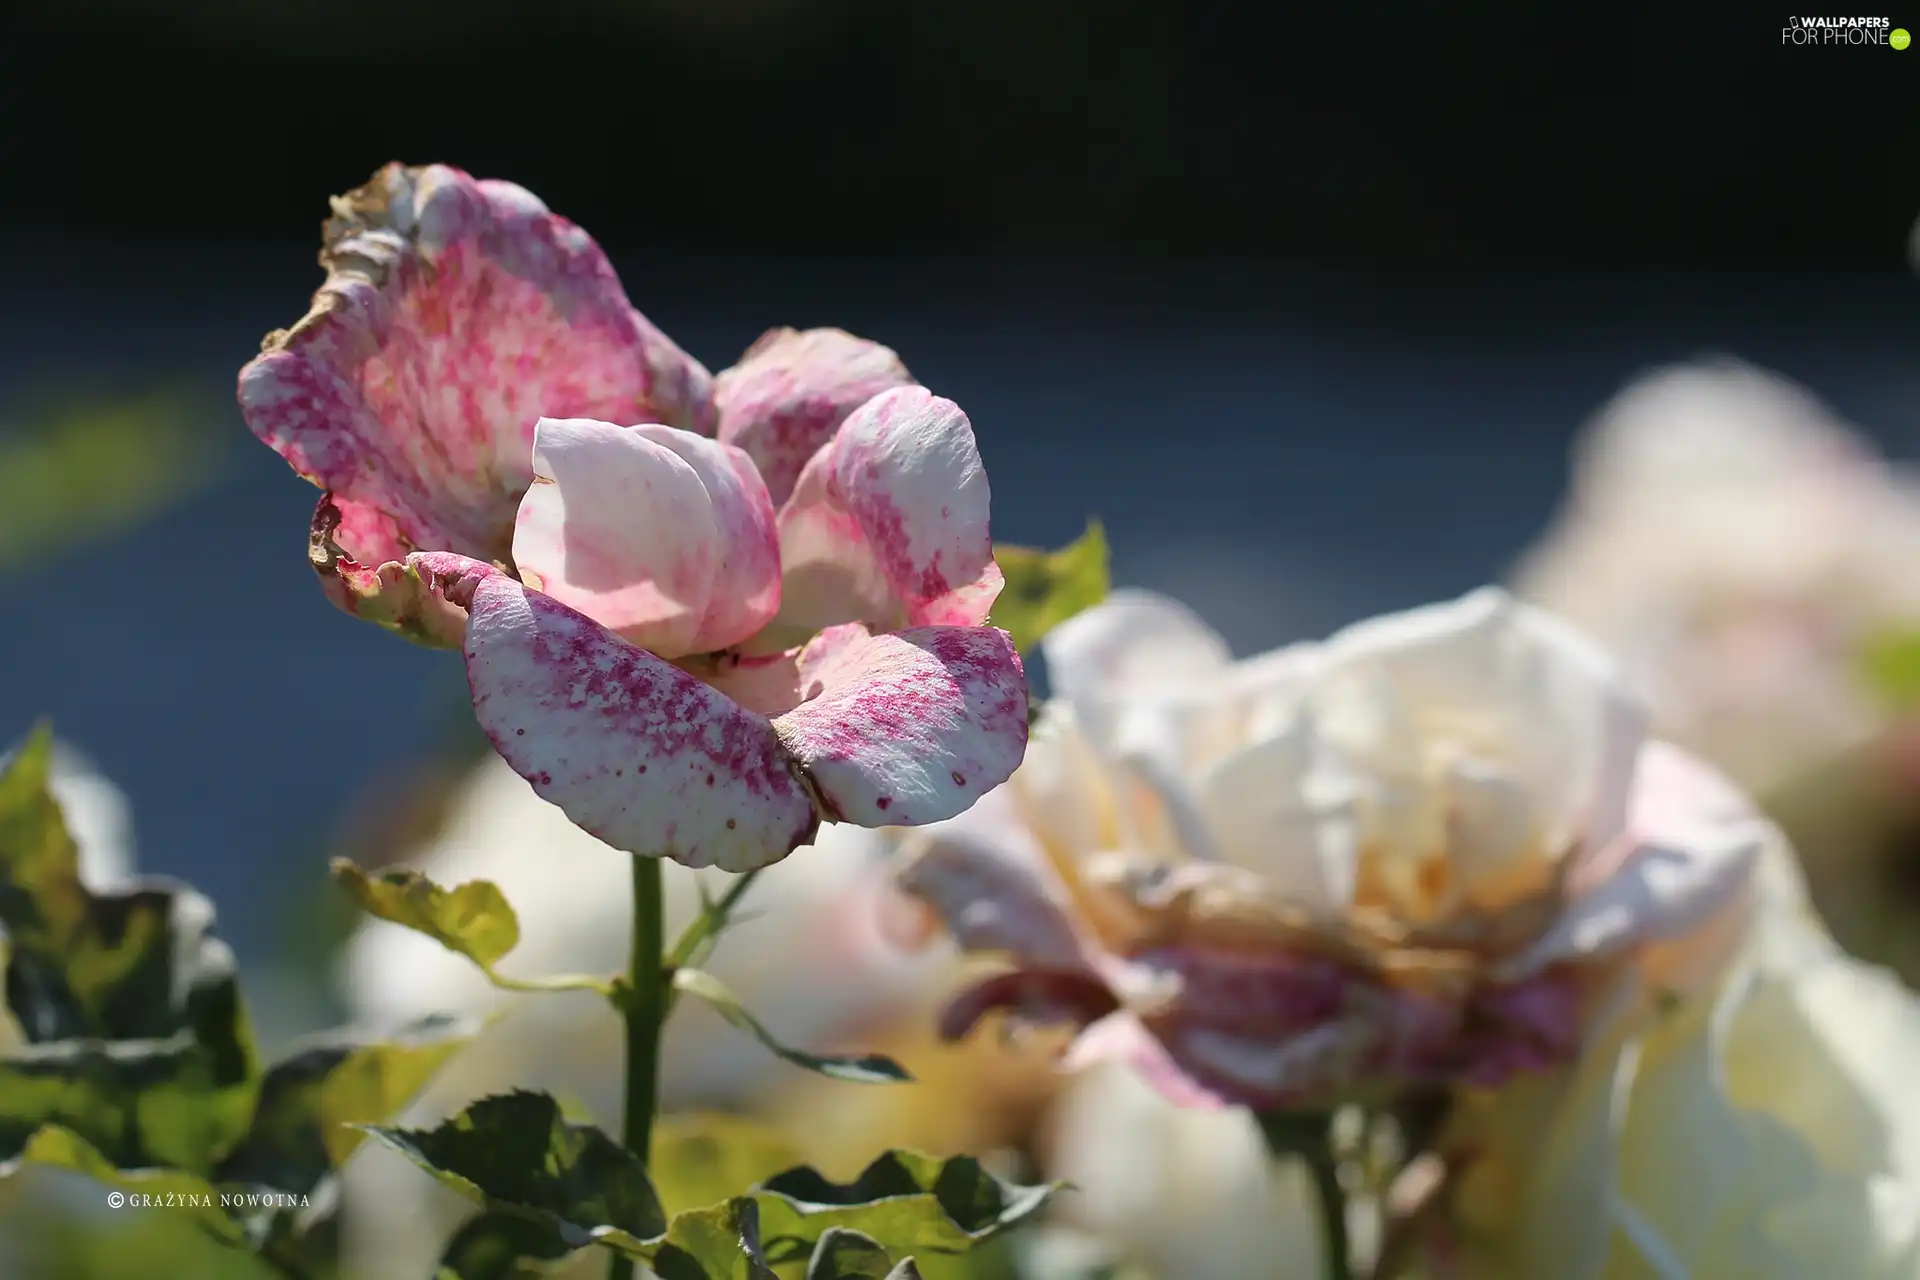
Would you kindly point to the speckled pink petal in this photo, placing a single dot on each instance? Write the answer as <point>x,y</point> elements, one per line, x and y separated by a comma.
<point>359,553</point>
<point>634,750</point>
<point>907,728</point>
<point>660,535</point>
<point>454,315</point>
<point>888,523</point>
<point>792,389</point>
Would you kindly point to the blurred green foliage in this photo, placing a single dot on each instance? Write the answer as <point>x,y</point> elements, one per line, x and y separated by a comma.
<point>1890,664</point>
<point>78,469</point>
<point>139,1069</point>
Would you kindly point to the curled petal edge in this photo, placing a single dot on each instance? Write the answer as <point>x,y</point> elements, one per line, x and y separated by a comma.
<point>382,592</point>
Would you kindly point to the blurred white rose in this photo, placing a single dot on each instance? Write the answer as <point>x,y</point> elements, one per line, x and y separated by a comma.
<point>1766,1130</point>
<point>1424,851</point>
<point>1737,546</point>
<point>805,955</point>
<point>1182,1194</point>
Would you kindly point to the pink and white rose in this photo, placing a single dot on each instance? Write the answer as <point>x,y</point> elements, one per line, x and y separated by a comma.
<point>516,461</point>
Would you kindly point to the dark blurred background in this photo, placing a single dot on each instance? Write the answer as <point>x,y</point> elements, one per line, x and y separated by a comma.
<point>1306,305</point>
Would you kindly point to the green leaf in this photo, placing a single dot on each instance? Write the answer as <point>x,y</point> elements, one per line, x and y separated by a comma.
<point>133,964</point>
<point>300,1249</point>
<point>496,1245</point>
<point>907,1201</point>
<point>702,1159</point>
<point>514,1153</point>
<point>181,1192</point>
<point>138,1040</point>
<point>721,1242</point>
<point>845,1254</point>
<point>275,1232</point>
<point>474,919</point>
<point>716,914</point>
<point>869,1068</point>
<point>141,1102</point>
<point>572,1186</point>
<point>1045,588</point>
<point>310,1106</point>
<point>1890,664</point>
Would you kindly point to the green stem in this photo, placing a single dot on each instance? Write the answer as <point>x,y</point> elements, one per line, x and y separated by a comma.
<point>708,925</point>
<point>1309,1138</point>
<point>644,1006</point>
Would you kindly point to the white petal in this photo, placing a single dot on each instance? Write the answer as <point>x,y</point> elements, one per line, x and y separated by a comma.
<point>1132,645</point>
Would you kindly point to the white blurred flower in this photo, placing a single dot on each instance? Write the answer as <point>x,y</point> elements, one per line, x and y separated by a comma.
<point>1421,852</point>
<point>1768,1130</point>
<point>1737,546</point>
<point>1182,1194</point>
<point>805,955</point>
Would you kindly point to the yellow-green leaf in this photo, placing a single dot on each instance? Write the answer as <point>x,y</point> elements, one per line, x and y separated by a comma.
<point>905,1201</point>
<point>305,1123</point>
<point>1045,588</point>
<point>373,1082</point>
<point>474,919</point>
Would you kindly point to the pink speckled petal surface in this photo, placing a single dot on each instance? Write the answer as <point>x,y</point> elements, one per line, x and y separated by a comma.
<point>888,523</point>
<point>910,727</point>
<point>637,752</point>
<point>455,313</point>
<point>792,389</point>
<point>659,535</point>
<point>359,555</point>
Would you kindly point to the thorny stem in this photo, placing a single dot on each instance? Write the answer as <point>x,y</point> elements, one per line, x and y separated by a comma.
<point>644,1004</point>
<point>1309,1138</point>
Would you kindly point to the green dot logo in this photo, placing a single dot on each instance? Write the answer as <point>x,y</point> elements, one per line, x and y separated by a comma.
<point>1899,38</point>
